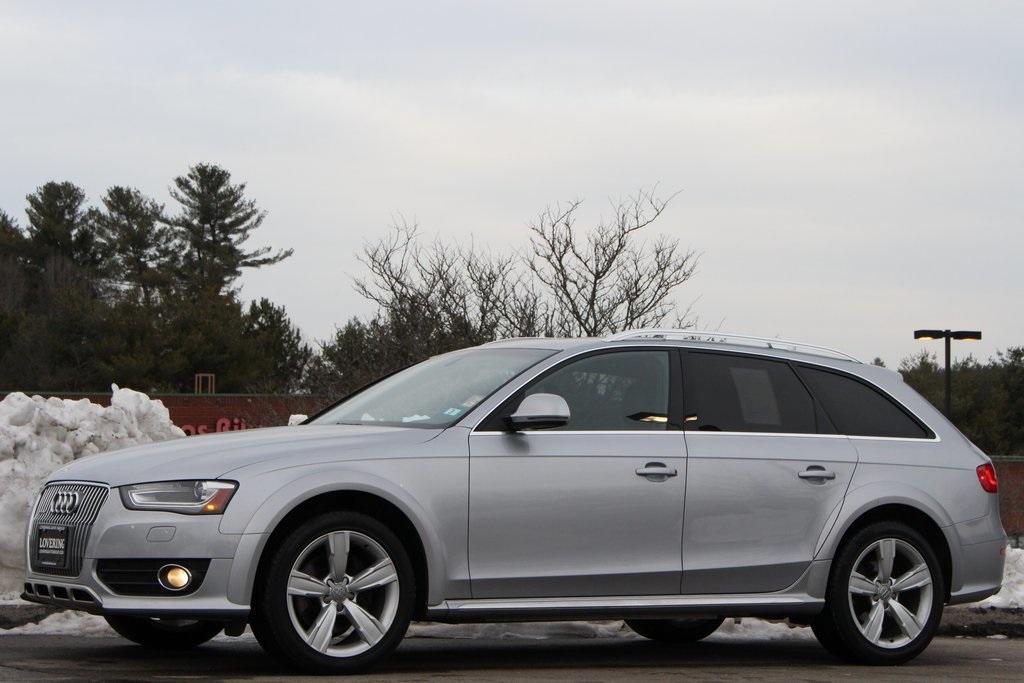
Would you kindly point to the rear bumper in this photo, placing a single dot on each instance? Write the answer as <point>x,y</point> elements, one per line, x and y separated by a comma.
<point>981,571</point>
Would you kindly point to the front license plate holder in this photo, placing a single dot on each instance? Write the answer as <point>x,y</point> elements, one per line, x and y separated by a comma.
<point>52,546</point>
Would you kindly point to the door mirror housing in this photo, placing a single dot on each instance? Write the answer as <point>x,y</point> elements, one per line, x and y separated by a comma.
<point>539,411</point>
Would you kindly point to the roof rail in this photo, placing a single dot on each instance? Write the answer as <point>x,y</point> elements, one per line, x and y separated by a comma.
<point>506,339</point>
<point>729,338</point>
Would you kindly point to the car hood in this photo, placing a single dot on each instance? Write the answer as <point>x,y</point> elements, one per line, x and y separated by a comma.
<point>213,455</point>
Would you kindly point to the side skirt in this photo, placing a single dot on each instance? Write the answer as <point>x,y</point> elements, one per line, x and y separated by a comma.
<point>627,607</point>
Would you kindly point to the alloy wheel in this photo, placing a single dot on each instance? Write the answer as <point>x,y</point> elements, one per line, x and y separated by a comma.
<point>890,593</point>
<point>343,593</point>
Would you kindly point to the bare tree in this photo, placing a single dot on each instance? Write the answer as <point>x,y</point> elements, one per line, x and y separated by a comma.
<point>605,279</point>
<point>438,296</point>
<point>572,282</point>
<point>470,293</point>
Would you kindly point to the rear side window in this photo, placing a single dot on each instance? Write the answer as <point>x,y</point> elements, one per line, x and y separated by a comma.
<point>727,393</point>
<point>860,410</point>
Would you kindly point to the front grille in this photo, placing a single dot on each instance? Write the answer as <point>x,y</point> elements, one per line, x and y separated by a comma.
<point>139,577</point>
<point>78,522</point>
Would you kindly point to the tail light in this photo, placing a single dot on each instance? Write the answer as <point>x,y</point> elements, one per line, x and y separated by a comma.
<point>987,478</point>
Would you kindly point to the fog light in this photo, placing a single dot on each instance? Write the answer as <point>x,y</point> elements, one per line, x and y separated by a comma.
<point>174,577</point>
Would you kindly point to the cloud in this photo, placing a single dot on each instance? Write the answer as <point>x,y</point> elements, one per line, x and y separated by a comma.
<point>838,161</point>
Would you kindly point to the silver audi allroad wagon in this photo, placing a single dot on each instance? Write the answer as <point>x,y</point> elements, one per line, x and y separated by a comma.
<point>665,477</point>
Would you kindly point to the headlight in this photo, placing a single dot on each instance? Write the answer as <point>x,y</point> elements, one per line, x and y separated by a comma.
<point>187,497</point>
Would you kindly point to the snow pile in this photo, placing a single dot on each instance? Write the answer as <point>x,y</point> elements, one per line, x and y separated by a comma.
<point>39,435</point>
<point>751,629</point>
<point>64,623</point>
<point>1011,596</point>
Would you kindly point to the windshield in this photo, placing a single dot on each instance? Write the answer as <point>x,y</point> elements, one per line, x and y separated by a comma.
<point>437,392</point>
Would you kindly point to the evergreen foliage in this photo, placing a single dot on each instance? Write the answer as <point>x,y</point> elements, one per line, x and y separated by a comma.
<point>215,221</point>
<point>988,398</point>
<point>122,293</point>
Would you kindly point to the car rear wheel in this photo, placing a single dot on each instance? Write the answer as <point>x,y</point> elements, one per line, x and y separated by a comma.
<point>337,596</point>
<point>885,596</point>
<point>675,631</point>
<point>165,634</point>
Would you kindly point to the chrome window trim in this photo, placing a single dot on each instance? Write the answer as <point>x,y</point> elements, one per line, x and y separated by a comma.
<point>474,429</point>
<point>554,432</point>
<point>817,436</point>
<point>678,432</point>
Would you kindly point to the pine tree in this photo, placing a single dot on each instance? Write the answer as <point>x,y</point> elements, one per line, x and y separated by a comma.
<point>13,285</point>
<point>11,236</point>
<point>216,220</point>
<point>270,332</point>
<point>59,228</point>
<point>140,249</point>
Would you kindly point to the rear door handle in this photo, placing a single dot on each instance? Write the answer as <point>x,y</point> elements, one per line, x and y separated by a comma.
<point>816,472</point>
<point>658,471</point>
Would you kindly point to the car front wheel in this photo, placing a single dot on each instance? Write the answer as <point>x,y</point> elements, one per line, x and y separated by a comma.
<point>337,596</point>
<point>885,596</point>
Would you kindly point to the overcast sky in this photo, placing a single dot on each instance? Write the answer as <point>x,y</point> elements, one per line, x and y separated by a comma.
<point>850,171</point>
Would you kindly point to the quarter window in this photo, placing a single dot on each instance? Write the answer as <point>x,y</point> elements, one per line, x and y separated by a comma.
<point>728,393</point>
<point>858,409</point>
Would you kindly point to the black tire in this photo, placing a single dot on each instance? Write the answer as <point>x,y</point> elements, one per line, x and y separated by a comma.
<point>165,634</point>
<point>675,631</point>
<point>836,628</point>
<point>271,621</point>
<point>824,630</point>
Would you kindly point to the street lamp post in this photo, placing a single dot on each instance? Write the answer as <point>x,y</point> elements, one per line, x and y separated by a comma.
<point>948,336</point>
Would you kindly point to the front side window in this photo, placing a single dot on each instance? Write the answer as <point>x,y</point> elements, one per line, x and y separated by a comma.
<point>860,410</point>
<point>728,393</point>
<point>437,392</point>
<point>616,391</point>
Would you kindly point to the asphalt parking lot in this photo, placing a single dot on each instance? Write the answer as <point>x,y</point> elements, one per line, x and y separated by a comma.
<point>592,659</point>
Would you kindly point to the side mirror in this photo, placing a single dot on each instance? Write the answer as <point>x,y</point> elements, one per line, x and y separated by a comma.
<point>539,411</point>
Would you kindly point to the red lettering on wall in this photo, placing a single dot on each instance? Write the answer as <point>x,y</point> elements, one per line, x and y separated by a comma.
<point>221,424</point>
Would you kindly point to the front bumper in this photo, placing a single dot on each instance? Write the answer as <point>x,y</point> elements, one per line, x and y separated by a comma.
<point>88,594</point>
<point>118,533</point>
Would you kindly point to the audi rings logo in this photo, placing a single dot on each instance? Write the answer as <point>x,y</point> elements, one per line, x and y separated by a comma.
<point>65,503</point>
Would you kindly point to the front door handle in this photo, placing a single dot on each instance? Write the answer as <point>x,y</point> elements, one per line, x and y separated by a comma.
<point>817,472</point>
<point>656,471</point>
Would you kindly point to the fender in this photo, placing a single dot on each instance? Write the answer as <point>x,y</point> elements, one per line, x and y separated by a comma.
<point>274,508</point>
<point>873,495</point>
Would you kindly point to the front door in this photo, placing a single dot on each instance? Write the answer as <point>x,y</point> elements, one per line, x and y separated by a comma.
<point>594,508</point>
<point>766,474</point>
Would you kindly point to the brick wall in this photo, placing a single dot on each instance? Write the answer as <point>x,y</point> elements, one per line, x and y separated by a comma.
<point>1010,472</point>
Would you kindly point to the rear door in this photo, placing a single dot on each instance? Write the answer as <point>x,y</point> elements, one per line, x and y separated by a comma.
<point>766,473</point>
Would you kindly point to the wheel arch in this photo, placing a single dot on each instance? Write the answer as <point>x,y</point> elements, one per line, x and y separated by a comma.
<point>911,513</point>
<point>300,499</point>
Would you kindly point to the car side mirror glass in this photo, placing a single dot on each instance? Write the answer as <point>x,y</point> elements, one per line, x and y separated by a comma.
<point>539,411</point>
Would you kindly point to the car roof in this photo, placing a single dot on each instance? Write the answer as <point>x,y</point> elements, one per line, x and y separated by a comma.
<point>713,340</point>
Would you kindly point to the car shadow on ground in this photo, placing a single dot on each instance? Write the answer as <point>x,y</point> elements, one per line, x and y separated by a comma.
<point>223,658</point>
